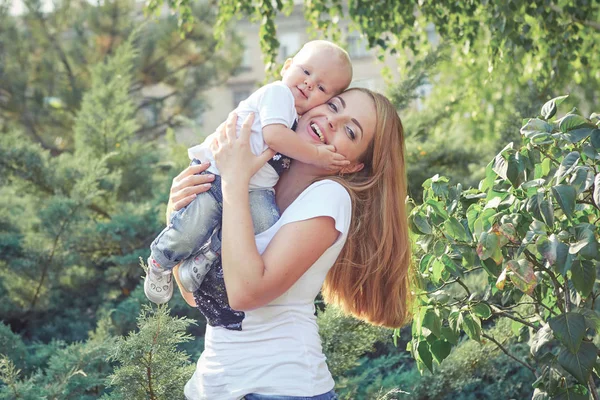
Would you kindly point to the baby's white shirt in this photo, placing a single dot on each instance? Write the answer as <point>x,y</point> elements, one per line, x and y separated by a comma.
<point>271,104</point>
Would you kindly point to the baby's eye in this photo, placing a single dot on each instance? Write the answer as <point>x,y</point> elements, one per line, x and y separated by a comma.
<point>332,106</point>
<point>321,88</point>
<point>351,133</point>
<point>306,72</point>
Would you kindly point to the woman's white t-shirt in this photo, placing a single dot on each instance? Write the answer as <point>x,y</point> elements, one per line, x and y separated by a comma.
<point>278,350</point>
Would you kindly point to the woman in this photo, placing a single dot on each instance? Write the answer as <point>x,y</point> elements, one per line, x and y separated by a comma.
<point>348,231</point>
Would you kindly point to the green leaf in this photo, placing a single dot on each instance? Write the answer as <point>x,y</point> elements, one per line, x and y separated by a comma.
<point>595,138</point>
<point>483,222</point>
<point>431,321</point>
<point>547,248</point>
<point>456,230</point>
<point>535,126</point>
<point>472,326</point>
<point>472,214</point>
<point>569,328</point>
<point>424,355</point>
<point>482,310</point>
<point>580,363</point>
<point>424,262</point>
<point>565,197</point>
<point>489,246</point>
<point>547,212</point>
<point>592,318</point>
<point>577,135</point>
<point>451,266</point>
<point>570,122</point>
<point>420,220</point>
<point>437,268</point>
<point>587,245</point>
<point>563,259</point>
<point>568,164</point>
<point>438,207</point>
<point>440,350</point>
<point>450,335</point>
<point>583,275</point>
<point>549,109</point>
<point>541,337</point>
<point>582,179</point>
<point>546,164</point>
<point>439,248</point>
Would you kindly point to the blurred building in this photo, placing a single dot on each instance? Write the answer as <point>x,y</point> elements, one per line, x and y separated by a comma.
<point>292,34</point>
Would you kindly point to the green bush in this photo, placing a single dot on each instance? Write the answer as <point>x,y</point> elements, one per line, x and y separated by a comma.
<point>532,226</point>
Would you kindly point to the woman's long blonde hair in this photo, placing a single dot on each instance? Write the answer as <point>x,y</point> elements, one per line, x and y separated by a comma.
<point>371,278</point>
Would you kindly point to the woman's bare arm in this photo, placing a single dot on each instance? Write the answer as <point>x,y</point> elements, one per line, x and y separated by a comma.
<point>253,280</point>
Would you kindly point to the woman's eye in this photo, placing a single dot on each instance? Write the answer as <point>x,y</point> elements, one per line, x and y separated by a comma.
<point>350,133</point>
<point>332,106</point>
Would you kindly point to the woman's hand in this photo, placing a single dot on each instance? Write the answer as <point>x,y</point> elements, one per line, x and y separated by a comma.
<point>233,155</point>
<point>187,185</point>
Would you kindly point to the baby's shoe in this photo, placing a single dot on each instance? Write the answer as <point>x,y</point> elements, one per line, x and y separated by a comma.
<point>158,285</point>
<point>193,270</point>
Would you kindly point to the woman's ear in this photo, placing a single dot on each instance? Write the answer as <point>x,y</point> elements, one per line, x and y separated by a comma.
<point>286,65</point>
<point>352,168</point>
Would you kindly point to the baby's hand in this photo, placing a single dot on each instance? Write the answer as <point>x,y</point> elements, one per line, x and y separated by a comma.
<point>327,158</point>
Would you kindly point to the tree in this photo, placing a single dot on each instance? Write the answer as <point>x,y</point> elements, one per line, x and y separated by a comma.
<point>47,58</point>
<point>532,227</point>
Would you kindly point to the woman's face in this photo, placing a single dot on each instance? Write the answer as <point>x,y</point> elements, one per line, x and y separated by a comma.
<point>346,121</point>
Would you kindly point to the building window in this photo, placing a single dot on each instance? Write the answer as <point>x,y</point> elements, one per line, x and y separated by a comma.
<point>357,46</point>
<point>246,64</point>
<point>289,44</point>
<point>239,95</point>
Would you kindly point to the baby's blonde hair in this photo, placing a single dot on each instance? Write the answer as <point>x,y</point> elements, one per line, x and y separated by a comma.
<point>338,54</point>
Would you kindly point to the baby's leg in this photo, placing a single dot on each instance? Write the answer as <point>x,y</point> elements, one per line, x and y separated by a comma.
<point>189,228</point>
<point>263,209</point>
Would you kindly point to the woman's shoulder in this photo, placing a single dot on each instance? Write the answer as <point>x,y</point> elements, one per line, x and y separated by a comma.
<point>322,198</point>
<point>327,187</point>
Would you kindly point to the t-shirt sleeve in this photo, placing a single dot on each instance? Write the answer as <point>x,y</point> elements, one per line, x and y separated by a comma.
<point>322,199</point>
<point>276,106</point>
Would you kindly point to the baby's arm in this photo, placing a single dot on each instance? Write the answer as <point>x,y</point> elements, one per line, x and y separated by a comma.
<point>285,141</point>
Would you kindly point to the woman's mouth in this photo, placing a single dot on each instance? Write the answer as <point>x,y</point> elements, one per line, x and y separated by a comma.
<point>315,128</point>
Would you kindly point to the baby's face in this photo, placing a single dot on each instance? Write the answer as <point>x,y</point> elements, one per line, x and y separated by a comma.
<point>314,77</point>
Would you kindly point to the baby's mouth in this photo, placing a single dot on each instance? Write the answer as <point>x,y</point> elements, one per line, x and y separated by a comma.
<point>315,128</point>
<point>302,92</point>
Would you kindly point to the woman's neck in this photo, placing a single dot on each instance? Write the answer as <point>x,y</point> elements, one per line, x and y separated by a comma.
<point>293,182</point>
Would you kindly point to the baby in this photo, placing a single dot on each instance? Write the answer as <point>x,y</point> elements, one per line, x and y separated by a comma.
<point>318,72</point>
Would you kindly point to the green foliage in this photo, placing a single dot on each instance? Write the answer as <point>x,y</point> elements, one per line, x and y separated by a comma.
<point>346,339</point>
<point>76,371</point>
<point>561,34</point>
<point>150,366</point>
<point>532,226</point>
<point>478,371</point>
